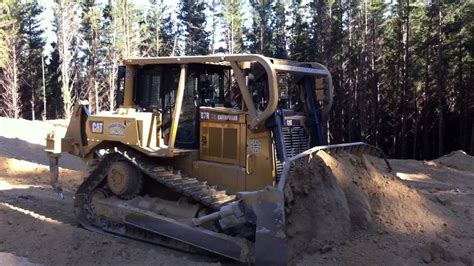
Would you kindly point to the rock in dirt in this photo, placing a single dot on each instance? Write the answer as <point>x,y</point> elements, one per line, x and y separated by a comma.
<point>10,259</point>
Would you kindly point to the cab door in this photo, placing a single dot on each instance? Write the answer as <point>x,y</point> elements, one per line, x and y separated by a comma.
<point>259,161</point>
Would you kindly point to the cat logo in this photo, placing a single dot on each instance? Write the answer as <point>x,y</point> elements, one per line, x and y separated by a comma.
<point>97,127</point>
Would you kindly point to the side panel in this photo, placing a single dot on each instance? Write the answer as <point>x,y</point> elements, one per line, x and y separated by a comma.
<point>220,142</point>
<point>129,129</point>
<point>260,170</point>
<point>222,148</point>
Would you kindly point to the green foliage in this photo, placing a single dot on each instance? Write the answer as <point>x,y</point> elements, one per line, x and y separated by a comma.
<point>32,46</point>
<point>259,36</point>
<point>193,20</point>
<point>7,29</point>
<point>233,25</point>
<point>278,30</point>
<point>55,108</point>
<point>158,32</point>
<point>300,34</point>
<point>402,70</point>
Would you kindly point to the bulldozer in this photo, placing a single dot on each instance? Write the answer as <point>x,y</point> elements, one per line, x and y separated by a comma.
<point>198,150</point>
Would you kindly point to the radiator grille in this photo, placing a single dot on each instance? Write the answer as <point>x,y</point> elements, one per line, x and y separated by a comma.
<point>220,142</point>
<point>296,140</point>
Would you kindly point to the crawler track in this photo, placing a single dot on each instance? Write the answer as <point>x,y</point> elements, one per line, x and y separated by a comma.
<point>190,187</point>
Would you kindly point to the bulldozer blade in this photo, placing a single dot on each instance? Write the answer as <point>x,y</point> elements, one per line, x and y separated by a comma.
<point>270,235</point>
<point>221,244</point>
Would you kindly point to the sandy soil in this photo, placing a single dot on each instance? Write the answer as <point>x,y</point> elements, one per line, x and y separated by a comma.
<point>421,212</point>
<point>346,210</point>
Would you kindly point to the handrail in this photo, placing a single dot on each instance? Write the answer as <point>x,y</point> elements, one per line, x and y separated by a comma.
<point>272,86</point>
<point>177,107</point>
<point>326,108</point>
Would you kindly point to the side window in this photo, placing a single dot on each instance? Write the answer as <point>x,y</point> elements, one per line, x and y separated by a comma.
<point>155,87</point>
<point>120,85</point>
<point>213,87</point>
<point>148,87</point>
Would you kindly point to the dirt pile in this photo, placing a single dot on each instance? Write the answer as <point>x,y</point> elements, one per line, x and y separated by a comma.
<point>458,160</point>
<point>336,200</point>
<point>25,140</point>
<point>317,209</point>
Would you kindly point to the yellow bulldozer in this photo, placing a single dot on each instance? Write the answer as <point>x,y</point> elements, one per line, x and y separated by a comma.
<point>198,151</point>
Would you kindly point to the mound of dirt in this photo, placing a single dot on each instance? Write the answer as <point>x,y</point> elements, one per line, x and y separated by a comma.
<point>329,198</point>
<point>457,159</point>
<point>25,140</point>
<point>316,208</point>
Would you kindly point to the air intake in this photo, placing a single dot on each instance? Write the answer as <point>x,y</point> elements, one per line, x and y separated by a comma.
<point>296,140</point>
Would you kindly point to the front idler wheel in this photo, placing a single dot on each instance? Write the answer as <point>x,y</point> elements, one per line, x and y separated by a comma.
<point>125,180</point>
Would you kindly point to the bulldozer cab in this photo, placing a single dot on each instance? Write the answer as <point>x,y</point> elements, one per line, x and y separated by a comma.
<point>155,89</point>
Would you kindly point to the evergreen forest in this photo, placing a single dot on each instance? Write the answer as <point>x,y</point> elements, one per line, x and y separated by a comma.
<point>403,70</point>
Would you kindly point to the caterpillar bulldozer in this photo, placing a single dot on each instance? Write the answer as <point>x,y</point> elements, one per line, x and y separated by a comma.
<point>197,153</point>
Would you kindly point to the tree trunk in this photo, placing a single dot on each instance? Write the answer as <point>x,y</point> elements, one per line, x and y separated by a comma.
<point>405,94</point>
<point>440,83</point>
<point>44,88</point>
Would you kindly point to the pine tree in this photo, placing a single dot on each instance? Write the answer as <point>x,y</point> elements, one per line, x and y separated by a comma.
<point>6,22</point>
<point>260,35</point>
<point>233,26</point>
<point>300,38</point>
<point>67,29</point>
<point>32,46</point>
<point>278,25</point>
<point>158,33</point>
<point>10,103</point>
<point>121,39</point>
<point>193,19</point>
<point>90,31</point>
<point>55,108</point>
<point>215,8</point>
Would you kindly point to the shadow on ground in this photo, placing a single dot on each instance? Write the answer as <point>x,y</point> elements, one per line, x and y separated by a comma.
<point>23,150</point>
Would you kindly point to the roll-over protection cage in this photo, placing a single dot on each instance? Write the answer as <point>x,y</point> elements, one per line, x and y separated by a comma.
<point>271,66</point>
